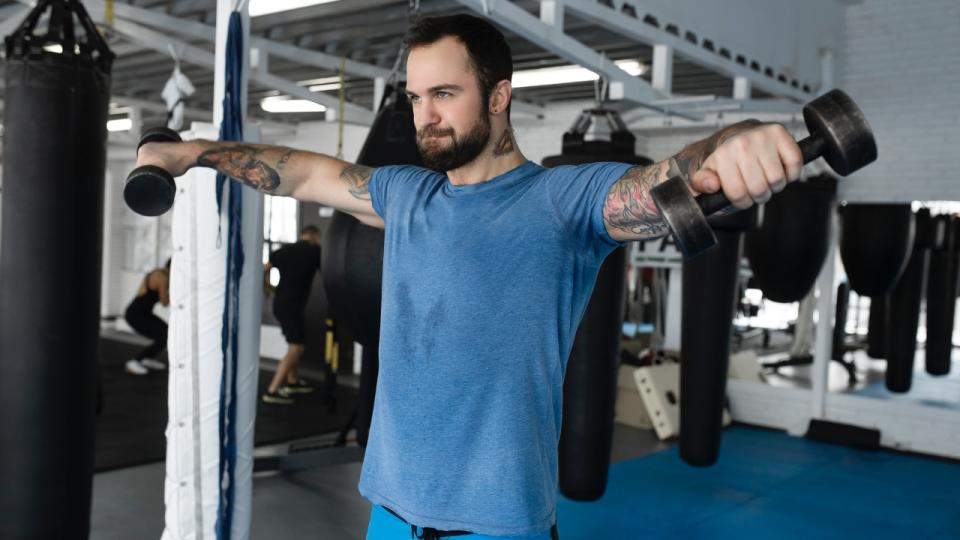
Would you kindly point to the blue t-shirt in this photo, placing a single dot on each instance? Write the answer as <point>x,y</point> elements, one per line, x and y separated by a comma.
<point>484,287</point>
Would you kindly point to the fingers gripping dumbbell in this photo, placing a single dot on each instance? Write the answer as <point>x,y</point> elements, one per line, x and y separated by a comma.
<point>149,190</point>
<point>838,132</point>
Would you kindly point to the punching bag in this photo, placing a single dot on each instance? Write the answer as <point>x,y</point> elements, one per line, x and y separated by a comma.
<point>904,307</point>
<point>590,383</point>
<point>352,266</point>
<point>54,150</point>
<point>877,327</point>
<point>787,251</point>
<point>941,298</point>
<point>876,241</point>
<point>706,322</point>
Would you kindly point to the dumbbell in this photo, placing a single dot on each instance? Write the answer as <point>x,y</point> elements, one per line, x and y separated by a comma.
<point>149,190</point>
<point>838,132</point>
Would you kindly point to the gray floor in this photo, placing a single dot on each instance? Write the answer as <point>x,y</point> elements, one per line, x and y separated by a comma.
<point>318,503</point>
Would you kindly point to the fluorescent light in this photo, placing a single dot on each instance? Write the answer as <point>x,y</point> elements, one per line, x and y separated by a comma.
<point>321,80</point>
<point>265,7</point>
<point>568,74</point>
<point>324,87</point>
<point>55,48</point>
<point>120,124</point>
<point>281,104</point>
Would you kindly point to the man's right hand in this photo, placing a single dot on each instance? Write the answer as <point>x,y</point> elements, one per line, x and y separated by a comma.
<point>175,158</point>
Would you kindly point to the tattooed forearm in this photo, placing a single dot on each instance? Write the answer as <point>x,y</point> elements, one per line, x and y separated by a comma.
<point>358,178</point>
<point>505,144</point>
<point>690,159</point>
<point>258,167</point>
<point>629,211</point>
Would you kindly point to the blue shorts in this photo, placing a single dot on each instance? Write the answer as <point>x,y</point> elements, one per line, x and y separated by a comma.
<point>386,526</point>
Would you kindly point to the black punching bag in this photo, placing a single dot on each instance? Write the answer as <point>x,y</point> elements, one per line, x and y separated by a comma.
<point>904,308</point>
<point>878,326</point>
<point>352,265</point>
<point>787,251</point>
<point>875,245</point>
<point>706,323</point>
<point>54,150</point>
<point>590,383</point>
<point>941,298</point>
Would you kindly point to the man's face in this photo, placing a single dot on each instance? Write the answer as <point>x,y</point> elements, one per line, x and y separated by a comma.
<point>450,115</point>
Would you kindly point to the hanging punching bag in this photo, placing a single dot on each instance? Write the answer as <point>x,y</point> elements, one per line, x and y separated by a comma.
<point>875,245</point>
<point>904,307</point>
<point>352,266</point>
<point>787,251</point>
<point>706,324</point>
<point>941,298</point>
<point>590,384</point>
<point>877,327</point>
<point>54,150</point>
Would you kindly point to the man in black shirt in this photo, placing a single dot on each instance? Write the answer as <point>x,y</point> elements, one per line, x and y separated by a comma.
<point>297,264</point>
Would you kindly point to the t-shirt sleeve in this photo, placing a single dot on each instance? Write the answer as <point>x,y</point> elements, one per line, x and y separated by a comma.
<point>386,180</point>
<point>579,193</point>
<point>276,257</point>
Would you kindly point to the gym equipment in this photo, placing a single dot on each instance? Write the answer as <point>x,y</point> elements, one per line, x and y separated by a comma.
<point>709,299</point>
<point>54,149</point>
<point>787,251</point>
<point>877,327</point>
<point>838,132</point>
<point>352,265</point>
<point>150,190</point>
<point>904,307</point>
<point>941,297</point>
<point>875,245</point>
<point>590,383</point>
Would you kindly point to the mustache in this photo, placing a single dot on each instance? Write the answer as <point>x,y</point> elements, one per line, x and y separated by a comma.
<point>433,131</point>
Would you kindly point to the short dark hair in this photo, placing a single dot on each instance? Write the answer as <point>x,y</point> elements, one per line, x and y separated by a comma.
<point>310,229</point>
<point>487,48</point>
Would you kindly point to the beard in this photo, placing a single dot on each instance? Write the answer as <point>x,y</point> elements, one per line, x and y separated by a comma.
<point>460,151</point>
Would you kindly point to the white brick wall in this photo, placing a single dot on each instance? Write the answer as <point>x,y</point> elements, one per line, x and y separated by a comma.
<point>902,65</point>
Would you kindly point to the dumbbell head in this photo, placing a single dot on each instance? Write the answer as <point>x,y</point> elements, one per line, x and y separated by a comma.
<point>150,190</point>
<point>847,140</point>
<point>691,232</point>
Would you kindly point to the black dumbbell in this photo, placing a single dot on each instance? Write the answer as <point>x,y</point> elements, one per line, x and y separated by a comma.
<point>150,190</point>
<point>838,132</point>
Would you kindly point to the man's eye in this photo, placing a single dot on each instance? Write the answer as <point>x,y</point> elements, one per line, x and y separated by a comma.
<point>441,94</point>
<point>414,99</point>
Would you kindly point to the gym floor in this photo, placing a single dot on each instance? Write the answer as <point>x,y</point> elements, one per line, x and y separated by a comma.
<point>317,503</point>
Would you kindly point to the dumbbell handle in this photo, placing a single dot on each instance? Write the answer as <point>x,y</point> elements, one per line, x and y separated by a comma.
<point>711,203</point>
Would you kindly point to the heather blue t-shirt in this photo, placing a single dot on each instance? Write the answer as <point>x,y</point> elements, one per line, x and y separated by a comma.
<point>483,289</point>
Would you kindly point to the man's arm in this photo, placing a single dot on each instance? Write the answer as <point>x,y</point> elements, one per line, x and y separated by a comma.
<point>274,170</point>
<point>747,160</point>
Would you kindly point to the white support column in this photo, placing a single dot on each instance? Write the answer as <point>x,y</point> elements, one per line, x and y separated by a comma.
<point>823,348</point>
<point>828,71</point>
<point>741,88</point>
<point>251,280</point>
<point>662,76</point>
<point>551,13</point>
<point>197,302</point>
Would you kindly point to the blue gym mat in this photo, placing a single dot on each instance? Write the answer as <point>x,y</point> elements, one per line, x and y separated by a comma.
<point>768,484</point>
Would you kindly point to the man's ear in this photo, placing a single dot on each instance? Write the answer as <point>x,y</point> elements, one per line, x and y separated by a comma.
<point>500,97</point>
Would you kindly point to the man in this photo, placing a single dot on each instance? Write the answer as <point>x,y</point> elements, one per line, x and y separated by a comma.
<point>297,264</point>
<point>489,261</point>
<point>154,288</point>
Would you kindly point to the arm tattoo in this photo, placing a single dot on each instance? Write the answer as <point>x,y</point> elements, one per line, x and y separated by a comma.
<point>358,178</point>
<point>629,207</point>
<point>251,165</point>
<point>504,145</point>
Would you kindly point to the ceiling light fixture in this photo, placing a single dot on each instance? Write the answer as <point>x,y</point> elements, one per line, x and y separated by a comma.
<point>120,124</point>
<point>568,74</point>
<point>282,104</point>
<point>266,7</point>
